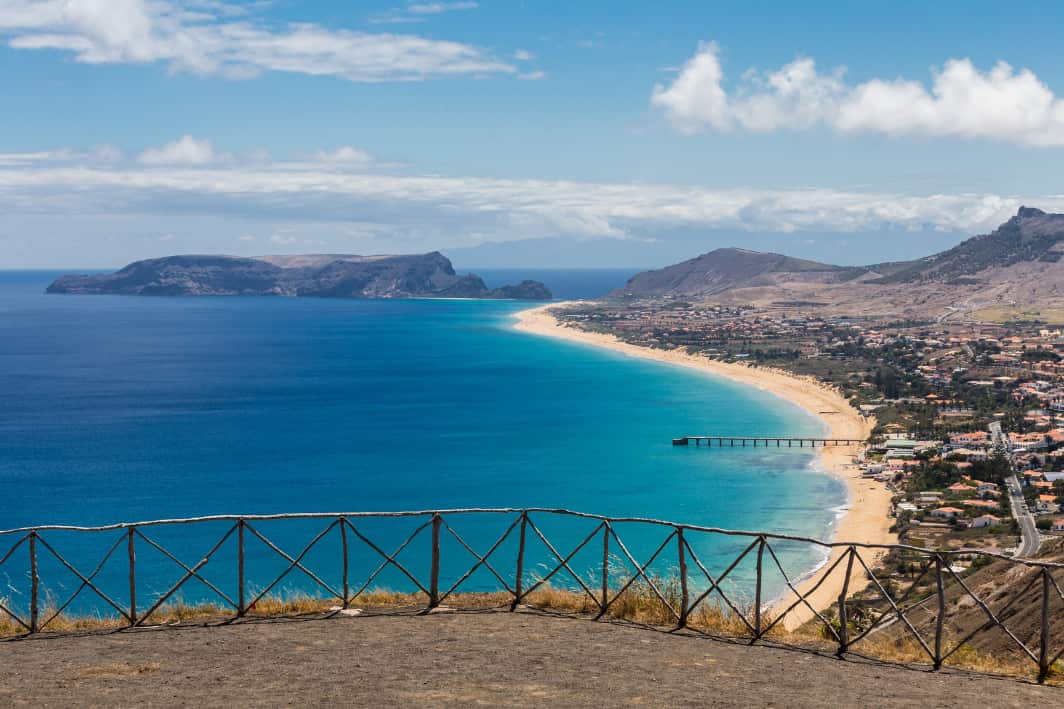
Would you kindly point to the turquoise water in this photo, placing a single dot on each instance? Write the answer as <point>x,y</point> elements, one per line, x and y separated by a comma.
<point>122,409</point>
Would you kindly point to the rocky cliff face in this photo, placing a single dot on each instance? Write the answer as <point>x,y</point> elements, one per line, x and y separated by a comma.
<point>324,276</point>
<point>1030,236</point>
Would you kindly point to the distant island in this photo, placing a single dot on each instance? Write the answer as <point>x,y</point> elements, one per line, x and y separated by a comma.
<point>315,275</point>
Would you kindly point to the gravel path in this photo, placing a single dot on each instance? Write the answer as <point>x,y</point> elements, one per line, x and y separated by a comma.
<point>489,658</point>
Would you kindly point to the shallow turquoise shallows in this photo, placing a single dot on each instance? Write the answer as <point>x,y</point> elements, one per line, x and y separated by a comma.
<point>123,409</point>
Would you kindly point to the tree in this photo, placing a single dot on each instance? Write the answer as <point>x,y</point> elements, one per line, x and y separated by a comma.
<point>993,470</point>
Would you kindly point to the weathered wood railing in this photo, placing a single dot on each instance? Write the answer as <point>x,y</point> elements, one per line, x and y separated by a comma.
<point>912,609</point>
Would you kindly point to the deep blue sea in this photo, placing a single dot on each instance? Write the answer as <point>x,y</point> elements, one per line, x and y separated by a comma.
<point>124,408</point>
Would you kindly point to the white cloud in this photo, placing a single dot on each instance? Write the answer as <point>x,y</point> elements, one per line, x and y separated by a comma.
<point>222,38</point>
<point>436,8</point>
<point>183,151</point>
<point>35,157</point>
<point>346,155</point>
<point>532,76</point>
<point>107,153</point>
<point>418,12</point>
<point>1000,104</point>
<point>101,153</point>
<point>523,55</point>
<point>497,209</point>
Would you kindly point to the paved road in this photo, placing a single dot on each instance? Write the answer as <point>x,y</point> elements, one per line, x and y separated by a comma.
<point>491,658</point>
<point>1030,539</point>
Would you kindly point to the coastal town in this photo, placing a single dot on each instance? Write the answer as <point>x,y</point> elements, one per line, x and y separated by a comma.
<point>452,353</point>
<point>967,436</point>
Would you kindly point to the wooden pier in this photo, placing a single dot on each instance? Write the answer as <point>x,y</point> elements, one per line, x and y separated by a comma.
<point>765,441</point>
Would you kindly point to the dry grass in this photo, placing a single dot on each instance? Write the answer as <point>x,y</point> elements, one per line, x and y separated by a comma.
<point>1013,314</point>
<point>908,651</point>
<point>638,603</point>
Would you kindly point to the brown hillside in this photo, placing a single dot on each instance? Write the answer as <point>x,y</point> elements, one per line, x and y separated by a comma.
<point>1014,272</point>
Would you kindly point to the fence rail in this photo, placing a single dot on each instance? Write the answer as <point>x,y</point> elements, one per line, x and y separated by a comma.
<point>932,607</point>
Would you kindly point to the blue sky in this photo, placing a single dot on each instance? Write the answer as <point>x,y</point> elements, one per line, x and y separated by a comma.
<point>582,134</point>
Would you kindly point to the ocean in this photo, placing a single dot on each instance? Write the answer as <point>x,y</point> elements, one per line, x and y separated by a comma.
<point>119,409</point>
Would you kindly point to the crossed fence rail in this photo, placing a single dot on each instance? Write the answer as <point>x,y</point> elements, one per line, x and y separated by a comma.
<point>920,612</point>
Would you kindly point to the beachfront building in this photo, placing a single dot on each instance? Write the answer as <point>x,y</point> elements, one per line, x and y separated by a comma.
<point>926,498</point>
<point>904,507</point>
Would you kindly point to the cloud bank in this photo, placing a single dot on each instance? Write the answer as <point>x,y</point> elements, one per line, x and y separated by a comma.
<point>218,38</point>
<point>962,101</point>
<point>345,186</point>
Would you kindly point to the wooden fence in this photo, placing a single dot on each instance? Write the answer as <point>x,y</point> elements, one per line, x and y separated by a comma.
<point>926,610</point>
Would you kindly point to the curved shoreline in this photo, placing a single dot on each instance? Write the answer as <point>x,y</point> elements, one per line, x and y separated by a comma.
<point>868,502</point>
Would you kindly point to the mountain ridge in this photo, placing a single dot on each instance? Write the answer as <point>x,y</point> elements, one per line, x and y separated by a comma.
<point>1017,265</point>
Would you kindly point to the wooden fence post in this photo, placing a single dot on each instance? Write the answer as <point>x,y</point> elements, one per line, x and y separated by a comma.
<point>35,583</point>
<point>343,545</point>
<point>757,590</point>
<point>684,597</point>
<point>605,568</point>
<point>518,582</point>
<point>240,579</point>
<point>1043,650</point>
<point>844,623</point>
<point>434,573</point>
<point>132,578</point>
<point>941,619</point>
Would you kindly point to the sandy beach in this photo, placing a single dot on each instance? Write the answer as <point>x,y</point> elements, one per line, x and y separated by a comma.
<point>865,521</point>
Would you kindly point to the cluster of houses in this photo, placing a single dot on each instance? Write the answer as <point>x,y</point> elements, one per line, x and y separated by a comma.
<point>681,325</point>
<point>945,350</point>
<point>1009,354</point>
<point>671,323</point>
<point>967,503</point>
<point>1045,498</point>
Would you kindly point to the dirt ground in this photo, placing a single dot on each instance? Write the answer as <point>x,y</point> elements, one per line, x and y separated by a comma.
<point>484,658</point>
